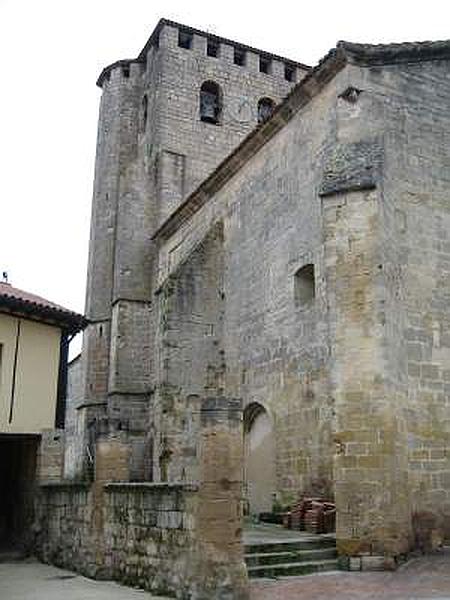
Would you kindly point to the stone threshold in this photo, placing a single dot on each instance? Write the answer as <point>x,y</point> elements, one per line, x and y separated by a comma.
<point>83,485</point>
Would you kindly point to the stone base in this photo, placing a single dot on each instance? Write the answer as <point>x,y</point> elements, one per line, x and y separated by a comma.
<point>369,563</point>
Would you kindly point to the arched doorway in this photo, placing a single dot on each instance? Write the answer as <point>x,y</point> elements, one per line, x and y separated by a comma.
<point>259,465</point>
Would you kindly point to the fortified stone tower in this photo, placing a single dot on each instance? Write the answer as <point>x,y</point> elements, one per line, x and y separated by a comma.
<point>167,119</point>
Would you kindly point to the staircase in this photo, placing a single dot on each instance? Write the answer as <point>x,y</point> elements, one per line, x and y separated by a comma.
<point>302,556</point>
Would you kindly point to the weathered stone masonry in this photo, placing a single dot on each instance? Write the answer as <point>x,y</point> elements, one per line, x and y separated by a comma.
<point>138,414</point>
<point>196,314</point>
<point>182,539</point>
<point>147,162</point>
<point>321,191</point>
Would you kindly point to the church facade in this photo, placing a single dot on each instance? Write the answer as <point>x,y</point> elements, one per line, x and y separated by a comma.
<point>268,295</point>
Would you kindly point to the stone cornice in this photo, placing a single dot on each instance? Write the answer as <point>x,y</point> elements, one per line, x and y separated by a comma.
<point>386,54</point>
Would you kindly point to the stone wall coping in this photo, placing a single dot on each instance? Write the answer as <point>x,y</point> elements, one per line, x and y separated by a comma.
<point>392,54</point>
<point>65,484</point>
<point>116,485</point>
<point>148,485</point>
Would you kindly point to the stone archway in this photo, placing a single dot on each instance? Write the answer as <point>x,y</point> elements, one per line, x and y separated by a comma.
<point>259,463</point>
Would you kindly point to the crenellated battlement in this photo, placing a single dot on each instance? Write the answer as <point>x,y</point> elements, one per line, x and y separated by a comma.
<point>169,34</point>
<point>128,68</point>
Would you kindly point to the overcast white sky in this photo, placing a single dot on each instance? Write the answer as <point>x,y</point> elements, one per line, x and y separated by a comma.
<point>52,52</point>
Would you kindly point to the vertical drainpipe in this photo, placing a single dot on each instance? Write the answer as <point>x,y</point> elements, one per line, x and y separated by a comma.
<point>62,381</point>
<point>14,373</point>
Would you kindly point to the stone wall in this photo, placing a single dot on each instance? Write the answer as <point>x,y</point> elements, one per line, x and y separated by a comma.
<point>352,190</point>
<point>50,456</point>
<point>202,145</point>
<point>370,466</point>
<point>75,393</point>
<point>63,527</point>
<point>150,154</point>
<point>181,539</point>
<point>191,358</point>
<point>357,381</point>
<point>417,266</point>
<point>144,536</point>
<point>410,124</point>
<point>276,351</point>
<point>157,549</point>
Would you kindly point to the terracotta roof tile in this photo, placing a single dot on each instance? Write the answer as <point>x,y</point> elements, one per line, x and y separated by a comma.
<point>14,300</point>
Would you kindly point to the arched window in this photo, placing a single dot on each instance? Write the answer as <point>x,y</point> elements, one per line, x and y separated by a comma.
<point>210,102</point>
<point>144,112</point>
<point>265,109</point>
<point>304,286</point>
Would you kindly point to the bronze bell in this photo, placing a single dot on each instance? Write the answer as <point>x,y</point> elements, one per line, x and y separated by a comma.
<point>209,107</point>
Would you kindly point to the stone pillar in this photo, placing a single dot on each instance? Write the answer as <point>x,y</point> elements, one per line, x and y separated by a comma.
<point>118,297</point>
<point>371,486</point>
<point>222,572</point>
<point>50,463</point>
<point>112,460</point>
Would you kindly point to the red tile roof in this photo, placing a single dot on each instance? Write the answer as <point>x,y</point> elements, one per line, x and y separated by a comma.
<point>16,301</point>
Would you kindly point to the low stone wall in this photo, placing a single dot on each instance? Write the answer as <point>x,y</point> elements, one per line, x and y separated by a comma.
<point>63,527</point>
<point>156,550</point>
<point>177,539</point>
<point>140,534</point>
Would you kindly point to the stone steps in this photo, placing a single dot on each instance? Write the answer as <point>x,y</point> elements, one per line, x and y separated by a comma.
<point>273,558</point>
<point>284,559</point>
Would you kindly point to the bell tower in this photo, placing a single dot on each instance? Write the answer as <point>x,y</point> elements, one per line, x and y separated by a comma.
<point>167,119</point>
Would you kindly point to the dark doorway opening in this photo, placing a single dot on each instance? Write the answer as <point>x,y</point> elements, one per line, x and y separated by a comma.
<point>17,489</point>
<point>259,460</point>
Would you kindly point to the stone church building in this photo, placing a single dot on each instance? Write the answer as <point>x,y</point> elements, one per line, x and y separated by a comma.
<point>268,300</point>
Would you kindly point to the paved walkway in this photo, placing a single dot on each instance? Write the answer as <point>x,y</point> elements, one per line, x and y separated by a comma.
<point>30,580</point>
<point>425,578</point>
